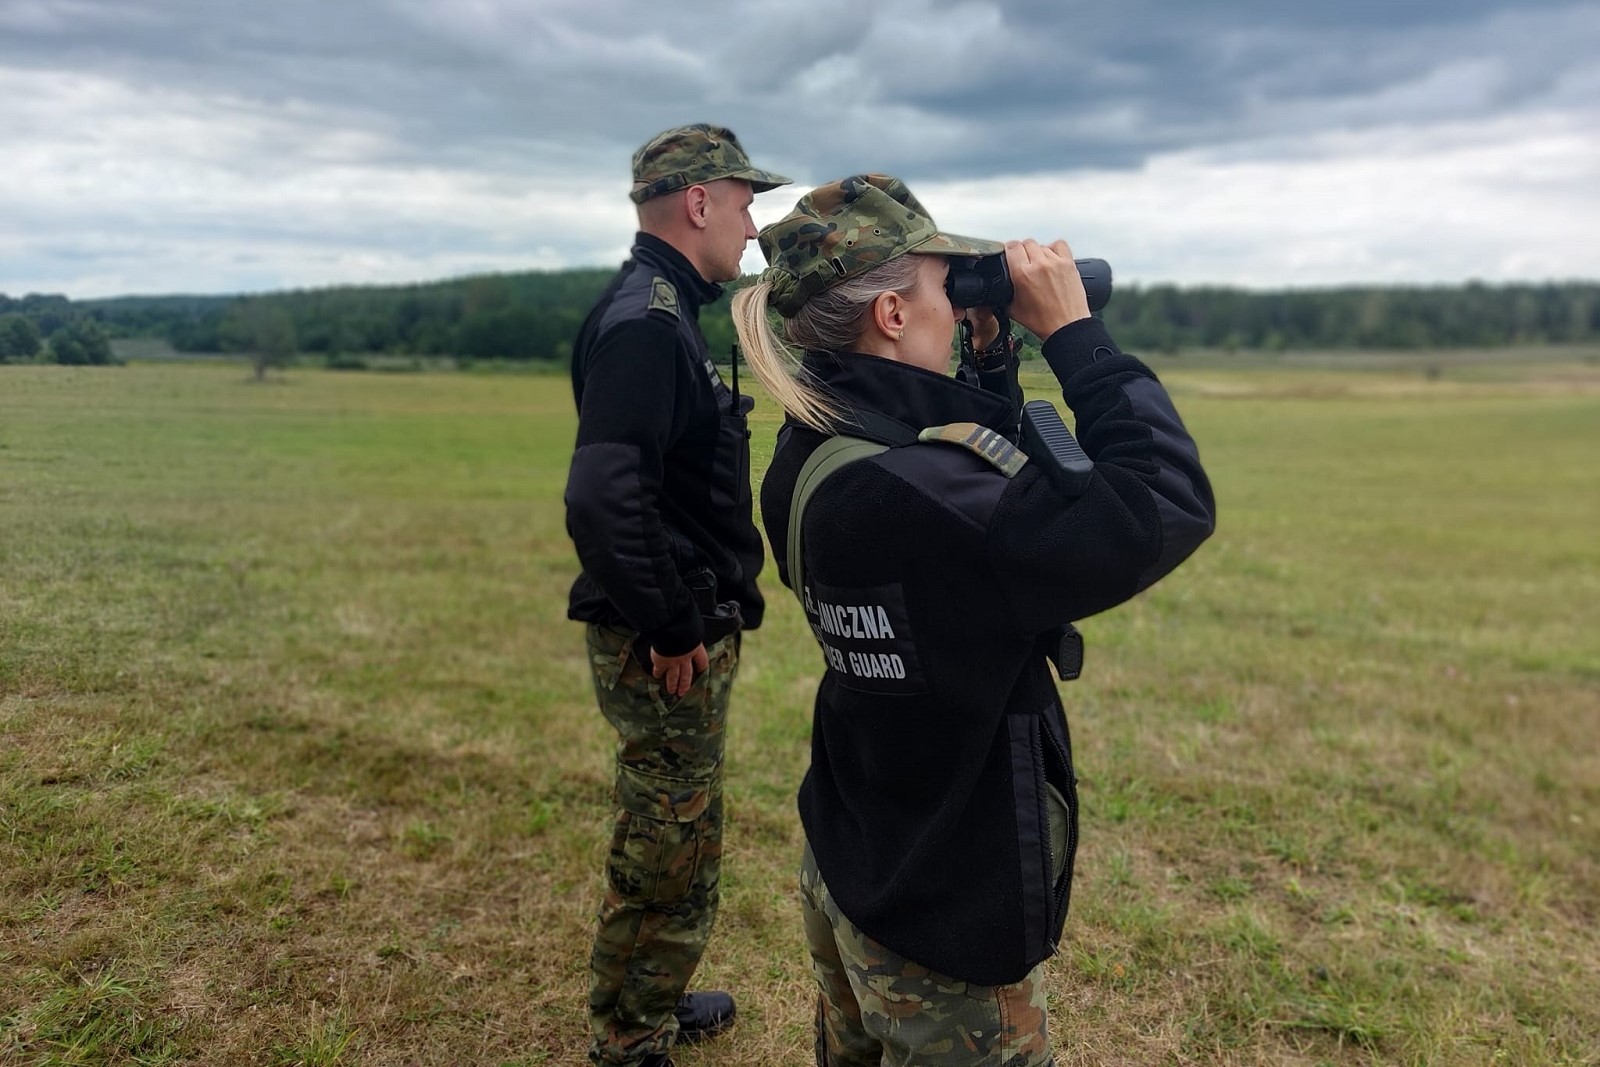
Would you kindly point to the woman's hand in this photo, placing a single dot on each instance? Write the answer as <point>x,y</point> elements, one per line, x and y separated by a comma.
<point>985,327</point>
<point>1049,293</point>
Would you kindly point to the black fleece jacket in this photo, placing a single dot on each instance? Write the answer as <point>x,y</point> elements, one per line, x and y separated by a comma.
<point>933,580</point>
<point>658,494</point>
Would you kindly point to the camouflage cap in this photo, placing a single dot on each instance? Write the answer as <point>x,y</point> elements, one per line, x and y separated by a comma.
<point>692,155</point>
<point>846,228</point>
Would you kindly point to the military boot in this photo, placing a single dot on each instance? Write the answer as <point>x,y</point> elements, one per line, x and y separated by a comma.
<point>703,1015</point>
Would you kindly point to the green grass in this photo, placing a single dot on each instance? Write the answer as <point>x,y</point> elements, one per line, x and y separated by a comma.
<point>299,763</point>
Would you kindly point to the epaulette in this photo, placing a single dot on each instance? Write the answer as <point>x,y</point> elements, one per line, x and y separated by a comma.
<point>663,296</point>
<point>1004,456</point>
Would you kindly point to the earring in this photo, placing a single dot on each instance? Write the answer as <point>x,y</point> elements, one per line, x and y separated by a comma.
<point>902,336</point>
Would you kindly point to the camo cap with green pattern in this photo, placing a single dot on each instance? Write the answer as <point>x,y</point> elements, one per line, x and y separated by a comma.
<point>692,155</point>
<point>846,228</point>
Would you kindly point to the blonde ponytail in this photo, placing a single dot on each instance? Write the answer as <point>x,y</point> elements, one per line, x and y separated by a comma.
<point>775,364</point>
<point>831,321</point>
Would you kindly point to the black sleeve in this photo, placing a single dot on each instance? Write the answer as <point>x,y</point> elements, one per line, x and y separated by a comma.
<point>626,423</point>
<point>1148,505</point>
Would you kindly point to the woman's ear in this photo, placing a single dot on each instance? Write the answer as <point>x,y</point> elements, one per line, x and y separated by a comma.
<point>889,315</point>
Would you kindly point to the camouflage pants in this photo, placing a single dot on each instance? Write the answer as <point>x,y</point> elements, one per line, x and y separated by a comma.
<point>875,1007</point>
<point>666,844</point>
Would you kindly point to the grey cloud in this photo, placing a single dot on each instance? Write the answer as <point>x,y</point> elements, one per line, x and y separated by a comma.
<point>1039,85</point>
<point>1204,77</point>
<point>302,122</point>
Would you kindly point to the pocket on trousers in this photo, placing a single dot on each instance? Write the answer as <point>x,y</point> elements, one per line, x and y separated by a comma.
<point>655,796</point>
<point>656,849</point>
<point>609,652</point>
<point>708,687</point>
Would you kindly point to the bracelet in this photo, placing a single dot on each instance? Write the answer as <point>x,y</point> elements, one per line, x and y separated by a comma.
<point>998,355</point>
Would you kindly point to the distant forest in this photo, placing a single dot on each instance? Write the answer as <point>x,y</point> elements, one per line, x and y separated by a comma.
<point>533,317</point>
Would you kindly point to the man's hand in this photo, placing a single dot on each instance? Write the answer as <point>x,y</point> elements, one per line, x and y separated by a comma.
<point>677,672</point>
<point>1049,292</point>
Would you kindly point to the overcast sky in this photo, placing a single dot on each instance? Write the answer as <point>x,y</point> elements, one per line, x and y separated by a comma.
<point>153,146</point>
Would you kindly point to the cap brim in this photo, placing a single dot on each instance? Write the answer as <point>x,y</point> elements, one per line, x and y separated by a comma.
<point>950,244</point>
<point>762,180</point>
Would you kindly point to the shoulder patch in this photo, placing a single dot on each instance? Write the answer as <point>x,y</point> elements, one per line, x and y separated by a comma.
<point>1001,454</point>
<point>663,297</point>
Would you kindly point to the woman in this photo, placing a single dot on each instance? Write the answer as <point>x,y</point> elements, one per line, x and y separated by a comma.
<point>940,807</point>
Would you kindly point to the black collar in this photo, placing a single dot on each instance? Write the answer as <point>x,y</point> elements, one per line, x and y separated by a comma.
<point>874,389</point>
<point>693,290</point>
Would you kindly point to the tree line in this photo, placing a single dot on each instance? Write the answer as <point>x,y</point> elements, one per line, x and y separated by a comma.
<point>51,328</point>
<point>1474,315</point>
<point>533,316</point>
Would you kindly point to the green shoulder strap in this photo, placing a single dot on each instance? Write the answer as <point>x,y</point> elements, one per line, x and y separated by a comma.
<point>829,456</point>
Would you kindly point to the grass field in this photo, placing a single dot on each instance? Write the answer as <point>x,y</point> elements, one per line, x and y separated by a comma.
<point>299,762</point>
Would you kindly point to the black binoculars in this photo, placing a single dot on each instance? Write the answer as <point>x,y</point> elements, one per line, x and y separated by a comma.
<point>985,281</point>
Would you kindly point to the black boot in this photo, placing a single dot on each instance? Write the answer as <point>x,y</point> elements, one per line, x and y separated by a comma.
<point>703,1015</point>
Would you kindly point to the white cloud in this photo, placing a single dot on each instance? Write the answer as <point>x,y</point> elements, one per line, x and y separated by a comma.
<point>1506,200</point>
<point>168,191</point>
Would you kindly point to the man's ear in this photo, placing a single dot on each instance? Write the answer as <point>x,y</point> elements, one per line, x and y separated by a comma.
<point>696,205</point>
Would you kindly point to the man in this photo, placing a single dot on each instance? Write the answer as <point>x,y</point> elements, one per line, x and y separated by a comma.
<point>659,507</point>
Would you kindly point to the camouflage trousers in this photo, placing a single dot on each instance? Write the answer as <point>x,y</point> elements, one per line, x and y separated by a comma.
<point>875,1007</point>
<point>666,844</point>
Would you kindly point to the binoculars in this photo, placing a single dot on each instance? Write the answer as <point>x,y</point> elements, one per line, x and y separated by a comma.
<point>985,281</point>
